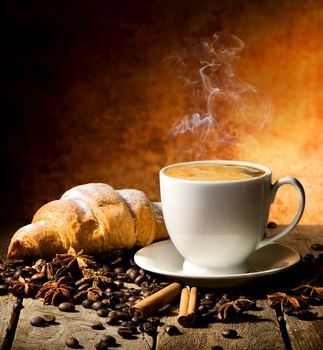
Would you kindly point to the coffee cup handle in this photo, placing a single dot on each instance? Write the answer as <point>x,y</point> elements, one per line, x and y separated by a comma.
<point>301,195</point>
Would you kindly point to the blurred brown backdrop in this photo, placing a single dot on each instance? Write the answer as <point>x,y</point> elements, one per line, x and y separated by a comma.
<point>86,96</point>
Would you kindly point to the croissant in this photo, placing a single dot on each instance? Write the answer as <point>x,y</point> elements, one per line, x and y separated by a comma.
<point>93,217</point>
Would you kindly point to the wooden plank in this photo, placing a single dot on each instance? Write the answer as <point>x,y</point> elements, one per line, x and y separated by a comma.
<point>303,334</point>
<point>77,324</point>
<point>6,304</point>
<point>302,237</point>
<point>306,335</point>
<point>259,332</point>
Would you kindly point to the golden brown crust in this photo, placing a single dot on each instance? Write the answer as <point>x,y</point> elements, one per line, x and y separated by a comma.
<point>75,225</point>
<point>93,217</point>
<point>115,222</point>
<point>35,240</point>
<point>142,214</point>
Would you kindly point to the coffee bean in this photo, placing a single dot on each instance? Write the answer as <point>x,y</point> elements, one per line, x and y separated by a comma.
<point>135,297</point>
<point>112,320</point>
<point>202,309</point>
<point>38,276</point>
<point>125,332</point>
<point>102,312</point>
<point>122,276</point>
<point>112,286</point>
<point>8,280</point>
<point>66,307</point>
<point>97,305</point>
<point>136,320</point>
<point>317,246</point>
<point>146,293</point>
<point>154,320</point>
<point>50,319</point>
<point>4,289</point>
<point>113,313</point>
<point>87,303</point>
<point>119,306</point>
<point>172,330</point>
<point>271,224</point>
<point>319,259</point>
<point>229,333</point>
<point>72,342</point>
<point>139,279</point>
<point>17,274</point>
<point>113,301</point>
<point>107,268</point>
<point>210,296</point>
<point>101,346</point>
<point>38,321</point>
<point>109,340</point>
<point>119,283</point>
<point>164,310</point>
<point>97,326</point>
<point>122,300</point>
<point>135,291</point>
<point>118,269</point>
<point>130,269</point>
<point>207,302</point>
<point>119,294</point>
<point>130,303</point>
<point>149,328</point>
<point>144,285</point>
<point>123,315</point>
<point>133,274</point>
<point>308,258</point>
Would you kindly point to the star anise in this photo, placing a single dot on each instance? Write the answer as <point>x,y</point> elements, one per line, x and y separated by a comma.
<point>57,291</point>
<point>72,259</point>
<point>286,302</point>
<point>230,310</point>
<point>94,278</point>
<point>23,288</point>
<point>55,270</point>
<point>92,293</point>
<point>309,292</point>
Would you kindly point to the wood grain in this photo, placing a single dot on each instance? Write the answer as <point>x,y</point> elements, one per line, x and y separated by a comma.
<point>6,304</point>
<point>302,237</point>
<point>259,331</point>
<point>77,324</point>
<point>306,335</point>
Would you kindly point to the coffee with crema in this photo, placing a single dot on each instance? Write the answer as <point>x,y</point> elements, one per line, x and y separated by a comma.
<point>213,172</point>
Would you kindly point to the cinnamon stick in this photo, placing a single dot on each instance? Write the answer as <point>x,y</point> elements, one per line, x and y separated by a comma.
<point>147,306</point>
<point>187,314</point>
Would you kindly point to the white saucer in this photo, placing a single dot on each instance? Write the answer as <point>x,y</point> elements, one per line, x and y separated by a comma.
<point>163,258</point>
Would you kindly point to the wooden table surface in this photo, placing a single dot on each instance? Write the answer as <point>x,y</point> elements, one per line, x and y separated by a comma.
<point>261,331</point>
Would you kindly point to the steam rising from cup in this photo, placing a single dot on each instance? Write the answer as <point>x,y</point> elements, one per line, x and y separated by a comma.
<point>223,112</point>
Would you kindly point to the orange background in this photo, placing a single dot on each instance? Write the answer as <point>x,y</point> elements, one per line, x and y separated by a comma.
<point>88,98</point>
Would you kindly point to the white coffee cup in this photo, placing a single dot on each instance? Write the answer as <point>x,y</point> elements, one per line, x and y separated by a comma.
<point>216,225</point>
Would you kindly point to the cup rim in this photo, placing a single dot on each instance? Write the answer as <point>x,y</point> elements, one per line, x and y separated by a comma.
<point>267,171</point>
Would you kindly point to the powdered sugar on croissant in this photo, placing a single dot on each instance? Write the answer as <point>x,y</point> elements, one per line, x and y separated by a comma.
<point>93,217</point>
